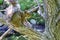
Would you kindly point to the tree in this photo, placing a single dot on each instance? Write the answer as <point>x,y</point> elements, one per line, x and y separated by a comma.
<point>52,21</point>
